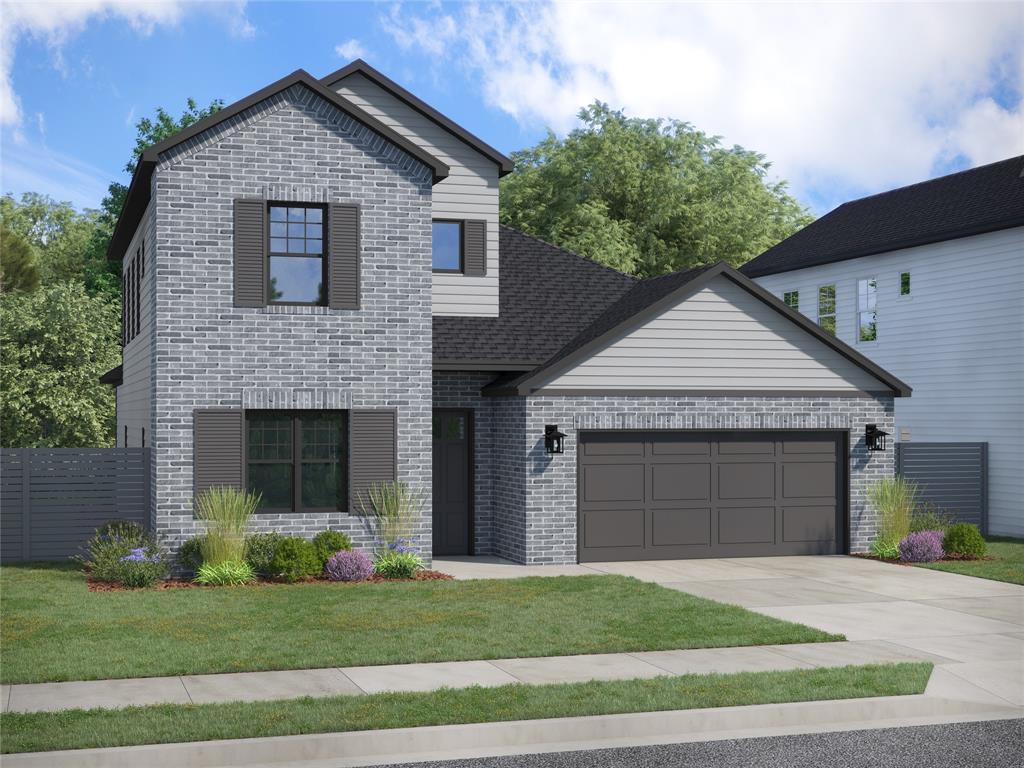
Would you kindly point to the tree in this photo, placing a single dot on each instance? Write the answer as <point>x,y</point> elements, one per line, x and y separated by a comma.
<point>55,343</point>
<point>18,268</point>
<point>647,196</point>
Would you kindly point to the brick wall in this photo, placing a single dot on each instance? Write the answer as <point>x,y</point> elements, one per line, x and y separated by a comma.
<point>207,353</point>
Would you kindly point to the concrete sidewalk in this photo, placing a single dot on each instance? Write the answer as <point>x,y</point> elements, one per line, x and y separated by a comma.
<point>336,681</point>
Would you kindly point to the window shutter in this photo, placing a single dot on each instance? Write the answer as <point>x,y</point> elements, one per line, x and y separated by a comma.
<point>343,256</point>
<point>474,247</point>
<point>374,452</point>
<point>217,448</point>
<point>250,252</point>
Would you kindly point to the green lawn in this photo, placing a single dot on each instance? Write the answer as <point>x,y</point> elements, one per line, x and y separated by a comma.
<point>1007,563</point>
<point>80,729</point>
<point>54,629</point>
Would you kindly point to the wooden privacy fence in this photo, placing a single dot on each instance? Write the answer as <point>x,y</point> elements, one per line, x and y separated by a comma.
<point>952,476</point>
<point>53,499</point>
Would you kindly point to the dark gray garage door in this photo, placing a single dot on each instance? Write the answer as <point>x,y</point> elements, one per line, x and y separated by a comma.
<point>657,495</point>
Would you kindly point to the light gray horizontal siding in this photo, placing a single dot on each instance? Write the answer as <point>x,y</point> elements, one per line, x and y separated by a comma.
<point>721,338</point>
<point>135,393</point>
<point>957,339</point>
<point>469,192</point>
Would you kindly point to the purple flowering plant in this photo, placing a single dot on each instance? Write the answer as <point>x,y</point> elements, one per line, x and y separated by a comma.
<point>348,565</point>
<point>922,547</point>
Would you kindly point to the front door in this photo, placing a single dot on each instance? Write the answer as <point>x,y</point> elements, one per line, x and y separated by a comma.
<point>452,511</point>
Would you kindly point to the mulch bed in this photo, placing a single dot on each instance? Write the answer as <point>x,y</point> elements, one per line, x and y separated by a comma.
<point>425,575</point>
<point>897,561</point>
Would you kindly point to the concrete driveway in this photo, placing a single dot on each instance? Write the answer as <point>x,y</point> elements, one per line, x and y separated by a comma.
<point>973,629</point>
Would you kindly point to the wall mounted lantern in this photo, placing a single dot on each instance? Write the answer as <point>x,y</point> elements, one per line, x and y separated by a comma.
<point>874,438</point>
<point>554,441</point>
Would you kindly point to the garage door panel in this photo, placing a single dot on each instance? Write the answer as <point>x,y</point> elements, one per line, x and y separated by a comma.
<point>809,524</point>
<point>614,483</point>
<point>669,447</point>
<point>680,482</point>
<point>746,525</point>
<point>746,480</point>
<point>809,480</point>
<point>736,447</point>
<point>613,528</point>
<point>680,527</point>
<point>798,447</point>
<point>607,447</point>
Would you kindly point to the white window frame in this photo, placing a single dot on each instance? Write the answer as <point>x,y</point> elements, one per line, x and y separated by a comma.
<point>899,285</point>
<point>861,311</point>
<point>835,307</point>
<point>787,293</point>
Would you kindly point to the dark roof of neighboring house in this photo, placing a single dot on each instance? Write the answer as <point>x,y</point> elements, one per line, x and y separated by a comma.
<point>967,203</point>
<point>649,298</point>
<point>505,164</point>
<point>114,377</point>
<point>546,297</point>
<point>139,191</point>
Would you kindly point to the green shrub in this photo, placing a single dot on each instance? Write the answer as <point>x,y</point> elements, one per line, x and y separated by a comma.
<point>396,565</point>
<point>895,499</point>
<point>231,573</point>
<point>226,512</point>
<point>930,518</point>
<point>260,549</point>
<point>140,568</point>
<point>887,548</point>
<point>329,543</point>
<point>294,560</point>
<point>190,553</point>
<point>964,540</point>
<point>113,541</point>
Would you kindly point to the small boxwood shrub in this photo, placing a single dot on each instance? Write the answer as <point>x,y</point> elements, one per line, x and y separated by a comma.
<point>230,573</point>
<point>348,566</point>
<point>260,549</point>
<point>964,540</point>
<point>397,565</point>
<point>295,559</point>
<point>921,547</point>
<point>328,543</point>
<point>190,553</point>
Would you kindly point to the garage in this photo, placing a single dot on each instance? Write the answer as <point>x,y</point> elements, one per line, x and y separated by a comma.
<point>666,495</point>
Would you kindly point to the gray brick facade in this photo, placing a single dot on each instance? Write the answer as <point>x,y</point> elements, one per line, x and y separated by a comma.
<point>207,353</point>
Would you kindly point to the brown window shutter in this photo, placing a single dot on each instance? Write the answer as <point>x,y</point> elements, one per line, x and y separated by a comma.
<point>217,448</point>
<point>343,256</point>
<point>474,247</point>
<point>374,451</point>
<point>250,252</point>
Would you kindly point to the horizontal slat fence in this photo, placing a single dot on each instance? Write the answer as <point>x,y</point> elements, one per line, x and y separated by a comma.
<point>53,499</point>
<point>952,476</point>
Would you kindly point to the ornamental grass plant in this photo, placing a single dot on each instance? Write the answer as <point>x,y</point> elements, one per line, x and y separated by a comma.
<point>895,500</point>
<point>226,513</point>
<point>391,509</point>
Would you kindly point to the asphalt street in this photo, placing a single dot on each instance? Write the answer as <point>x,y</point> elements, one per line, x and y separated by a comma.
<point>991,744</point>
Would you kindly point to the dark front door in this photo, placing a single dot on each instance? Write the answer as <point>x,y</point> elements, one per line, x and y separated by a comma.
<point>656,495</point>
<point>452,509</point>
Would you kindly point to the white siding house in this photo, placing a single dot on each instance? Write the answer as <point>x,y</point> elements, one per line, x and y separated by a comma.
<point>957,338</point>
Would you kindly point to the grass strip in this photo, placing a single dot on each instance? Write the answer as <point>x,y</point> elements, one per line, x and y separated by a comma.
<point>54,629</point>
<point>1007,563</point>
<point>81,729</point>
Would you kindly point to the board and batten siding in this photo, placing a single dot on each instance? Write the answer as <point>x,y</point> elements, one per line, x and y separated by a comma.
<point>135,392</point>
<point>957,339</point>
<point>720,338</point>
<point>469,193</point>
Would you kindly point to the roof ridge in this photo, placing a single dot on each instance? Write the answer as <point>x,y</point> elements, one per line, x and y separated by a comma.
<point>587,259</point>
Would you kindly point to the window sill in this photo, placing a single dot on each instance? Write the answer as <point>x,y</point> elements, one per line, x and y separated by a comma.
<point>294,309</point>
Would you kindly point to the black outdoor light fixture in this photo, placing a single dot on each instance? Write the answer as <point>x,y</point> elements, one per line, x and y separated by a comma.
<point>554,441</point>
<point>874,437</point>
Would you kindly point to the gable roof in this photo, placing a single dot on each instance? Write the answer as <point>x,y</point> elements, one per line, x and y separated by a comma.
<point>504,163</point>
<point>649,298</point>
<point>962,204</point>
<point>547,295</point>
<point>139,191</point>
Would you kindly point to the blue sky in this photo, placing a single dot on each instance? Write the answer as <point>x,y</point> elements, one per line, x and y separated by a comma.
<point>845,100</point>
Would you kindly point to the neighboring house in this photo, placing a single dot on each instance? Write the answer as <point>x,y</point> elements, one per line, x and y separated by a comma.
<point>318,297</point>
<point>928,281</point>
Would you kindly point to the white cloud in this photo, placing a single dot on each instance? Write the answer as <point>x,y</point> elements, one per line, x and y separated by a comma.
<point>37,167</point>
<point>57,22</point>
<point>350,49</point>
<point>851,96</point>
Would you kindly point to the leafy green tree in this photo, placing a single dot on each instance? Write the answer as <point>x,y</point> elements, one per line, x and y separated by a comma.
<point>55,343</point>
<point>18,268</point>
<point>647,196</point>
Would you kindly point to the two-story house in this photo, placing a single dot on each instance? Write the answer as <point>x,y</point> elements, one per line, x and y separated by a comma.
<point>928,281</point>
<point>318,296</point>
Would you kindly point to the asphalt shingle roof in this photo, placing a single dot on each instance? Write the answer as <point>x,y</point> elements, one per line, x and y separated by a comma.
<point>971,202</point>
<point>547,296</point>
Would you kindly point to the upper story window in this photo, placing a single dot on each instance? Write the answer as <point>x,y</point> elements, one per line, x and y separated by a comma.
<point>792,299</point>
<point>447,246</point>
<point>827,308</point>
<point>131,295</point>
<point>296,460</point>
<point>297,273</point>
<point>867,322</point>
<point>904,283</point>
